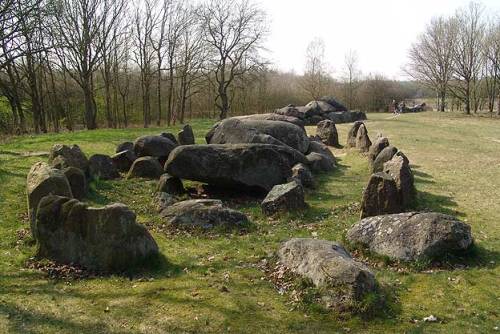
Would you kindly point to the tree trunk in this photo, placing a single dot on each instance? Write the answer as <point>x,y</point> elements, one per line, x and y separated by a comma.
<point>170,94</point>
<point>89,103</point>
<point>224,106</point>
<point>442,101</point>
<point>158,95</point>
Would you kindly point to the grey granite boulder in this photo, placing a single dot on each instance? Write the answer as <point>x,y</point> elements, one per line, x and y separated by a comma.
<point>153,146</point>
<point>101,166</point>
<point>123,160</point>
<point>284,198</point>
<point>170,184</point>
<point>412,236</point>
<point>353,132</point>
<point>341,279</point>
<point>145,167</point>
<point>385,155</point>
<point>376,148</point>
<point>62,156</point>
<point>203,214</point>
<point>77,181</point>
<point>327,131</point>
<point>381,196</point>
<point>400,170</point>
<point>106,239</point>
<point>363,141</point>
<point>125,146</point>
<point>186,135</point>
<point>302,174</point>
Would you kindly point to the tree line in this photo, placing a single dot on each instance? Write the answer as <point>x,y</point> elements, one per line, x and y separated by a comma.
<point>458,57</point>
<point>71,64</point>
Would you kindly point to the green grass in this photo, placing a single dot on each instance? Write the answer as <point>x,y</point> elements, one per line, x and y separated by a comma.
<point>456,161</point>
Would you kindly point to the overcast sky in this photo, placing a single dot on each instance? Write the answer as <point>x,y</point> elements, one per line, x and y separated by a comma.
<point>381,31</point>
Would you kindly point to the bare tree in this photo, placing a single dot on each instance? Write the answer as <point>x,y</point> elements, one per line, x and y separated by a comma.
<point>492,64</point>
<point>233,31</point>
<point>316,74</point>
<point>351,78</point>
<point>431,58</point>
<point>467,55</point>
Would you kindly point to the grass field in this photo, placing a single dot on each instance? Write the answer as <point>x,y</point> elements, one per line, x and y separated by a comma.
<point>456,162</point>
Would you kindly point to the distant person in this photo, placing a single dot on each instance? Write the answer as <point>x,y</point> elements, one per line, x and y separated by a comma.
<point>402,107</point>
<point>395,107</point>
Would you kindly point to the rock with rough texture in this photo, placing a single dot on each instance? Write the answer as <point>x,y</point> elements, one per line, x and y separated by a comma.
<point>62,156</point>
<point>203,214</point>
<point>352,134</point>
<point>146,167</point>
<point>44,180</point>
<point>319,163</point>
<point>153,146</point>
<point>171,185</point>
<point>302,174</point>
<point>334,103</point>
<point>240,131</point>
<point>186,135</point>
<point>284,198</point>
<point>377,147</point>
<point>101,166</point>
<point>77,181</point>
<point>125,146</point>
<point>363,142</point>
<point>385,155</point>
<point>412,236</point>
<point>340,278</point>
<point>400,170</point>
<point>123,160</point>
<point>274,117</point>
<point>162,200</point>
<point>169,136</point>
<point>248,165</point>
<point>381,196</point>
<point>106,239</point>
<point>327,131</point>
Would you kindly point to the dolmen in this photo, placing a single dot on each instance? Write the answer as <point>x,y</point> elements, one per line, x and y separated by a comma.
<point>326,108</point>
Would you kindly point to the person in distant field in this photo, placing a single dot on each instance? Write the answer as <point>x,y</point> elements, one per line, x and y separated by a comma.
<point>402,107</point>
<point>395,106</point>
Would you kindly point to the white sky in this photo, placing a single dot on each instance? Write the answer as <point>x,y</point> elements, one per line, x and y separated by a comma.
<point>381,31</point>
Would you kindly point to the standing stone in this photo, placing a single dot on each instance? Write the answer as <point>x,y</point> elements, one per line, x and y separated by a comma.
<point>146,167</point>
<point>44,180</point>
<point>385,155</point>
<point>401,172</point>
<point>353,132</point>
<point>377,147</point>
<point>327,131</point>
<point>302,174</point>
<point>319,163</point>
<point>186,135</point>
<point>106,239</point>
<point>77,182</point>
<point>341,280</point>
<point>284,198</point>
<point>62,156</point>
<point>123,160</point>
<point>412,236</point>
<point>381,196</point>
<point>363,142</point>
<point>125,146</point>
<point>101,166</point>
<point>171,185</point>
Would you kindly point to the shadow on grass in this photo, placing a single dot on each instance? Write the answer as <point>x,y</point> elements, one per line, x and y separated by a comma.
<point>426,201</point>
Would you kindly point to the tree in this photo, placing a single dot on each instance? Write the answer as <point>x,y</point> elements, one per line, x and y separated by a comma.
<point>351,78</point>
<point>431,58</point>
<point>467,57</point>
<point>316,76</point>
<point>491,51</point>
<point>233,31</point>
<point>82,30</point>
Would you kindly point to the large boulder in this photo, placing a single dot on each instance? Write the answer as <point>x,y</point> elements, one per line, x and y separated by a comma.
<point>381,196</point>
<point>101,166</point>
<point>62,156</point>
<point>377,147</point>
<point>186,135</point>
<point>125,146</point>
<point>203,214</point>
<point>334,103</point>
<point>171,185</point>
<point>357,115</point>
<point>146,167</point>
<point>284,198</point>
<point>320,157</point>
<point>274,117</point>
<point>240,131</point>
<point>385,155</point>
<point>327,131</point>
<point>249,165</point>
<point>44,180</point>
<point>290,111</point>
<point>153,146</point>
<point>170,136</point>
<point>77,181</point>
<point>123,160</point>
<point>400,170</point>
<point>412,236</point>
<point>363,142</point>
<point>322,107</point>
<point>302,174</point>
<point>341,280</point>
<point>353,132</point>
<point>106,239</point>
